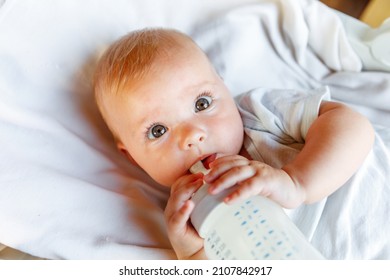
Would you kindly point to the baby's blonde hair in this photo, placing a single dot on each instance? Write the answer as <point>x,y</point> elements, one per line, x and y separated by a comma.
<point>130,58</point>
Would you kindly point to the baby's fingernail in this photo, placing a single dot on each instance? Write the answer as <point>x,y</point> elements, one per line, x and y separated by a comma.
<point>211,189</point>
<point>229,199</point>
<point>208,178</point>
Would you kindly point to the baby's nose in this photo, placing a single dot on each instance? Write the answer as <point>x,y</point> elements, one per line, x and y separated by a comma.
<point>192,137</point>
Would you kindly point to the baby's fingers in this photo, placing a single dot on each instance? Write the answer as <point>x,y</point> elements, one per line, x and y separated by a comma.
<point>179,195</point>
<point>224,164</point>
<point>185,180</point>
<point>231,178</point>
<point>245,189</point>
<point>177,222</point>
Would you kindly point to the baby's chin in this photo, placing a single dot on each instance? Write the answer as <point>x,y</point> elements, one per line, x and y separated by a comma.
<point>169,181</point>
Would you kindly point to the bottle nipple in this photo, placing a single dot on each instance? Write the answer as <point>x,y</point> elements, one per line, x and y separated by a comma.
<point>199,167</point>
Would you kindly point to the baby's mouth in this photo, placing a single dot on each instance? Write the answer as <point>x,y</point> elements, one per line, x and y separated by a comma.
<point>203,165</point>
<point>208,159</point>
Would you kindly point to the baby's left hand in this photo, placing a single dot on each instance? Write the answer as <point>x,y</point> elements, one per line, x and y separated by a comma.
<point>253,178</point>
<point>184,239</point>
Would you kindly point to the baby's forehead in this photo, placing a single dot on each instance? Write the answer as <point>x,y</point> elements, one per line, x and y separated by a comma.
<point>164,64</point>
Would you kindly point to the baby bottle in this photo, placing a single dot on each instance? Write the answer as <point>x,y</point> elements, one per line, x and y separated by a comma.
<point>257,228</point>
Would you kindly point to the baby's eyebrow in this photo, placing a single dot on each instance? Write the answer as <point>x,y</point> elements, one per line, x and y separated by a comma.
<point>144,123</point>
<point>202,84</point>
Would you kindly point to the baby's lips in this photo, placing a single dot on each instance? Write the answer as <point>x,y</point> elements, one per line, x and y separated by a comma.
<point>208,160</point>
<point>203,165</point>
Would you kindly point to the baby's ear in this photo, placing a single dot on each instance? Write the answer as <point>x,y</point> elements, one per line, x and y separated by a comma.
<point>121,148</point>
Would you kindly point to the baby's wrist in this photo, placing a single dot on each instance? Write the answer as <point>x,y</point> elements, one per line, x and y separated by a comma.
<point>297,191</point>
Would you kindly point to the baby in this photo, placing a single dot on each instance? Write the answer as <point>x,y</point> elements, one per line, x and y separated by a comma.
<point>168,109</point>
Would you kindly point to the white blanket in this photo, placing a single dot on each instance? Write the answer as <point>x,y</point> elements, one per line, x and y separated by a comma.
<point>64,190</point>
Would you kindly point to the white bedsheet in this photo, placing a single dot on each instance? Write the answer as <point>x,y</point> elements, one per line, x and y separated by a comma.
<point>64,190</point>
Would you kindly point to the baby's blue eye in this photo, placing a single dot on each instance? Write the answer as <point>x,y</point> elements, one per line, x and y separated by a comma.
<point>202,103</point>
<point>156,131</point>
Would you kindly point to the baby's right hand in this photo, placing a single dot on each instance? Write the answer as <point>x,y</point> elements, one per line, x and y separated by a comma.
<point>184,238</point>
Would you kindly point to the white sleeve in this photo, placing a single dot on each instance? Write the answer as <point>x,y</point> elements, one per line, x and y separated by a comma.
<point>285,114</point>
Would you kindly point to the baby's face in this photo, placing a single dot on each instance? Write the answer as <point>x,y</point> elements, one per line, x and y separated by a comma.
<point>179,114</point>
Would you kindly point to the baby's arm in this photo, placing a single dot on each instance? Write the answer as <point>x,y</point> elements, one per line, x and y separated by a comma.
<point>336,144</point>
<point>184,239</point>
